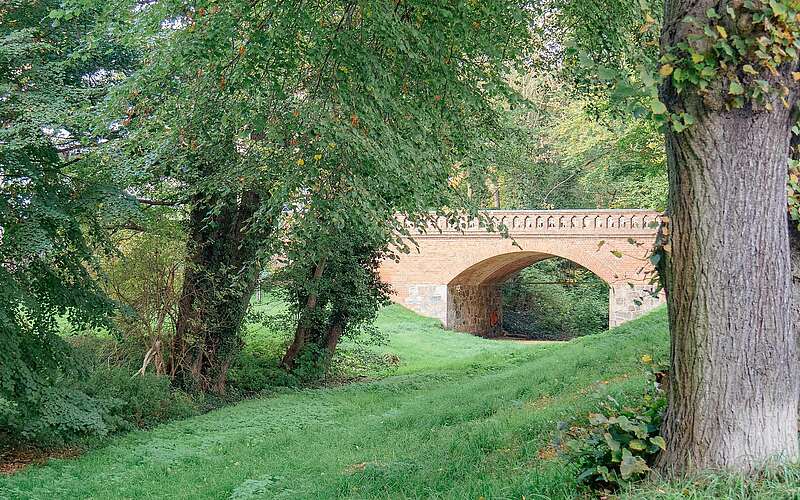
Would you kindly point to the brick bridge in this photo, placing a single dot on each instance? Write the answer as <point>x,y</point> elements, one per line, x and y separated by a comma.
<point>456,274</point>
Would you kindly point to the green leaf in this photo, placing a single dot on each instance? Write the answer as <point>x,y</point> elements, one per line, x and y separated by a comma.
<point>631,465</point>
<point>657,107</point>
<point>659,441</point>
<point>736,88</point>
<point>637,445</point>
<point>611,442</point>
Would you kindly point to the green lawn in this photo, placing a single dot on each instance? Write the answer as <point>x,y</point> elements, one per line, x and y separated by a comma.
<point>462,417</point>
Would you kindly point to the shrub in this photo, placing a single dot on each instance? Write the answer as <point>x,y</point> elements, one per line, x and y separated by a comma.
<point>253,372</point>
<point>620,442</point>
<point>98,395</point>
<point>142,400</point>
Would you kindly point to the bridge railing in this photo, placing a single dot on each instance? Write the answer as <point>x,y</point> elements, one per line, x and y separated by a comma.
<point>538,222</point>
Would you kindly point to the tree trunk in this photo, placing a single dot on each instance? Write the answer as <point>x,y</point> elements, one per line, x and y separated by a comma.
<point>219,281</point>
<point>303,329</point>
<point>334,334</point>
<point>733,391</point>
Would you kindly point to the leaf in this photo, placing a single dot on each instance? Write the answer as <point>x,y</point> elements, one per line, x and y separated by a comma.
<point>625,424</point>
<point>631,465</point>
<point>665,70</point>
<point>658,107</point>
<point>637,445</point>
<point>647,359</point>
<point>655,259</point>
<point>722,32</point>
<point>659,441</point>
<point>611,442</point>
<point>749,69</point>
<point>736,88</point>
<point>778,7</point>
<point>616,253</point>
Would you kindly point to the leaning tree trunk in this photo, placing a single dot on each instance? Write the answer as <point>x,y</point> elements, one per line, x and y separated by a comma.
<point>332,337</point>
<point>305,326</point>
<point>733,392</point>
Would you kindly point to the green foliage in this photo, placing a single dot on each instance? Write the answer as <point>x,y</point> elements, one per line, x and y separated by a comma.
<point>145,279</point>
<point>742,53</point>
<point>621,441</point>
<point>793,191</point>
<point>558,153</point>
<point>332,287</point>
<point>98,396</point>
<point>733,56</point>
<point>555,300</point>
<point>267,119</point>
<point>141,401</point>
<point>53,213</point>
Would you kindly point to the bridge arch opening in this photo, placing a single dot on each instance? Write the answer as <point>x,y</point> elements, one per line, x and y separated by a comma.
<point>474,296</point>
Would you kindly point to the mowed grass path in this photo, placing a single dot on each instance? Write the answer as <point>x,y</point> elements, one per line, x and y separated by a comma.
<point>462,417</point>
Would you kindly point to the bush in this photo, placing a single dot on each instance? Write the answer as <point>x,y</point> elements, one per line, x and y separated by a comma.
<point>92,399</point>
<point>620,442</point>
<point>555,300</point>
<point>142,400</point>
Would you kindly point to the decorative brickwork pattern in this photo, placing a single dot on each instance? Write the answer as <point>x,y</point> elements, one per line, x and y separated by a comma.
<point>456,269</point>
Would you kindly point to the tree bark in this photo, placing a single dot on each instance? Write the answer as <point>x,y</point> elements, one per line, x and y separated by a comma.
<point>733,391</point>
<point>794,250</point>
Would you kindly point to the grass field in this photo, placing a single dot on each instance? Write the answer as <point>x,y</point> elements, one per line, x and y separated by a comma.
<point>460,417</point>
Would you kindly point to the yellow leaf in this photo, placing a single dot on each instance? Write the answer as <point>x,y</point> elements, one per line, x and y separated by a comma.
<point>665,70</point>
<point>697,58</point>
<point>301,162</point>
<point>796,75</point>
<point>647,359</point>
<point>722,32</point>
<point>318,157</point>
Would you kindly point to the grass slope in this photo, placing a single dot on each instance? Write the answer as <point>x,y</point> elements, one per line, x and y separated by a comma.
<point>462,417</point>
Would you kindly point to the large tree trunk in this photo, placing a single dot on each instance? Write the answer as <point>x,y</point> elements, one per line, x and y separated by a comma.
<point>733,393</point>
<point>219,281</point>
<point>794,256</point>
